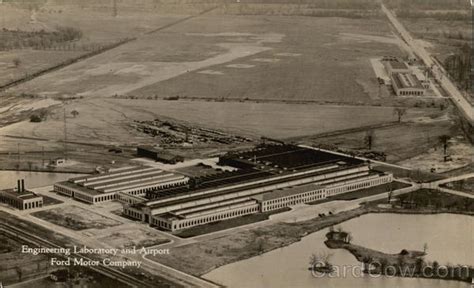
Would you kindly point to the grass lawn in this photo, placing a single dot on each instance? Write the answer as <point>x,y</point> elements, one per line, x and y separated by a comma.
<point>418,175</point>
<point>226,224</point>
<point>466,185</point>
<point>75,218</point>
<point>431,200</point>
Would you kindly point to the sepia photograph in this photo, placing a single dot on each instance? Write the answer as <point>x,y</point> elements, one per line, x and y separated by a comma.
<point>236,143</point>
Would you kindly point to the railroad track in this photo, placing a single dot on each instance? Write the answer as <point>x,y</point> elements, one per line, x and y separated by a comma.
<point>110,272</point>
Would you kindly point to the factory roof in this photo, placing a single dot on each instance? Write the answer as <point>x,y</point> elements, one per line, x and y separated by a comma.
<point>397,65</point>
<point>24,195</point>
<point>280,193</point>
<point>407,80</point>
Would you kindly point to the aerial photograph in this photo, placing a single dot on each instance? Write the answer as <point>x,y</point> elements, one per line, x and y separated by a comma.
<point>237,143</point>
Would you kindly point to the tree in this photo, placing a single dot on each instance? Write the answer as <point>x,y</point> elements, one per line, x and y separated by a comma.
<point>444,140</point>
<point>74,113</point>
<point>35,118</point>
<point>400,112</point>
<point>425,248</point>
<point>16,62</point>
<point>349,238</point>
<point>367,260</point>
<point>19,273</point>
<point>260,246</point>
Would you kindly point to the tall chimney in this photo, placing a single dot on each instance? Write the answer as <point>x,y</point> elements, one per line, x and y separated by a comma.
<point>18,187</point>
<point>22,185</point>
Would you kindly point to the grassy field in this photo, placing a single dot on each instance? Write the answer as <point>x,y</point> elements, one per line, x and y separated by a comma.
<point>314,47</point>
<point>466,185</point>
<point>128,237</point>
<point>75,218</point>
<point>31,61</point>
<point>248,57</point>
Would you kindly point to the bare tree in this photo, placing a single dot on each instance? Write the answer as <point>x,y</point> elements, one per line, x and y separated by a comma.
<point>19,273</point>
<point>444,140</point>
<point>399,112</point>
<point>16,62</point>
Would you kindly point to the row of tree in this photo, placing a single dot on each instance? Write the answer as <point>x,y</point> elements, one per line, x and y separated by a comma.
<point>458,66</point>
<point>17,39</point>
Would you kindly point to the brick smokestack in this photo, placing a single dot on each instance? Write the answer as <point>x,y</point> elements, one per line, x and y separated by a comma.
<point>22,185</point>
<point>18,187</point>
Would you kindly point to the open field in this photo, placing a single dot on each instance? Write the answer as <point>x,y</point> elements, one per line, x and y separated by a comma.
<point>94,131</point>
<point>128,237</point>
<point>31,61</point>
<point>276,52</point>
<point>246,118</point>
<point>75,218</point>
<point>401,141</point>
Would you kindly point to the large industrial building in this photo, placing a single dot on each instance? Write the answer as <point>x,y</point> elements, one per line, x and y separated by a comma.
<point>21,198</point>
<point>121,183</point>
<point>407,84</point>
<point>269,177</point>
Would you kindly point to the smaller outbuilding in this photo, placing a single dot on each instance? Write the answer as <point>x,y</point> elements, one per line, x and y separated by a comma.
<point>21,198</point>
<point>158,155</point>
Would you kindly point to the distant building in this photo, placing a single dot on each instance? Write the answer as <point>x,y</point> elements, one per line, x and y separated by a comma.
<point>406,84</point>
<point>57,162</point>
<point>21,198</point>
<point>158,155</point>
<point>393,66</point>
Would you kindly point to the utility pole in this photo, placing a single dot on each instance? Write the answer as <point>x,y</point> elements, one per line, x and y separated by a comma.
<point>115,12</point>
<point>42,156</point>
<point>18,160</point>
<point>65,134</point>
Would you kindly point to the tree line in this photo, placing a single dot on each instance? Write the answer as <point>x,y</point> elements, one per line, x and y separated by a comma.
<point>17,39</point>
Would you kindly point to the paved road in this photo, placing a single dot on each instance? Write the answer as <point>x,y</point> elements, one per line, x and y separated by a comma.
<point>438,71</point>
<point>435,185</point>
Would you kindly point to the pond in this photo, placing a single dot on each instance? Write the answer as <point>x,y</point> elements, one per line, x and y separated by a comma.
<point>32,179</point>
<point>449,239</point>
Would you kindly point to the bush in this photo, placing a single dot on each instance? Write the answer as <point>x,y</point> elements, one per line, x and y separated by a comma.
<point>35,118</point>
